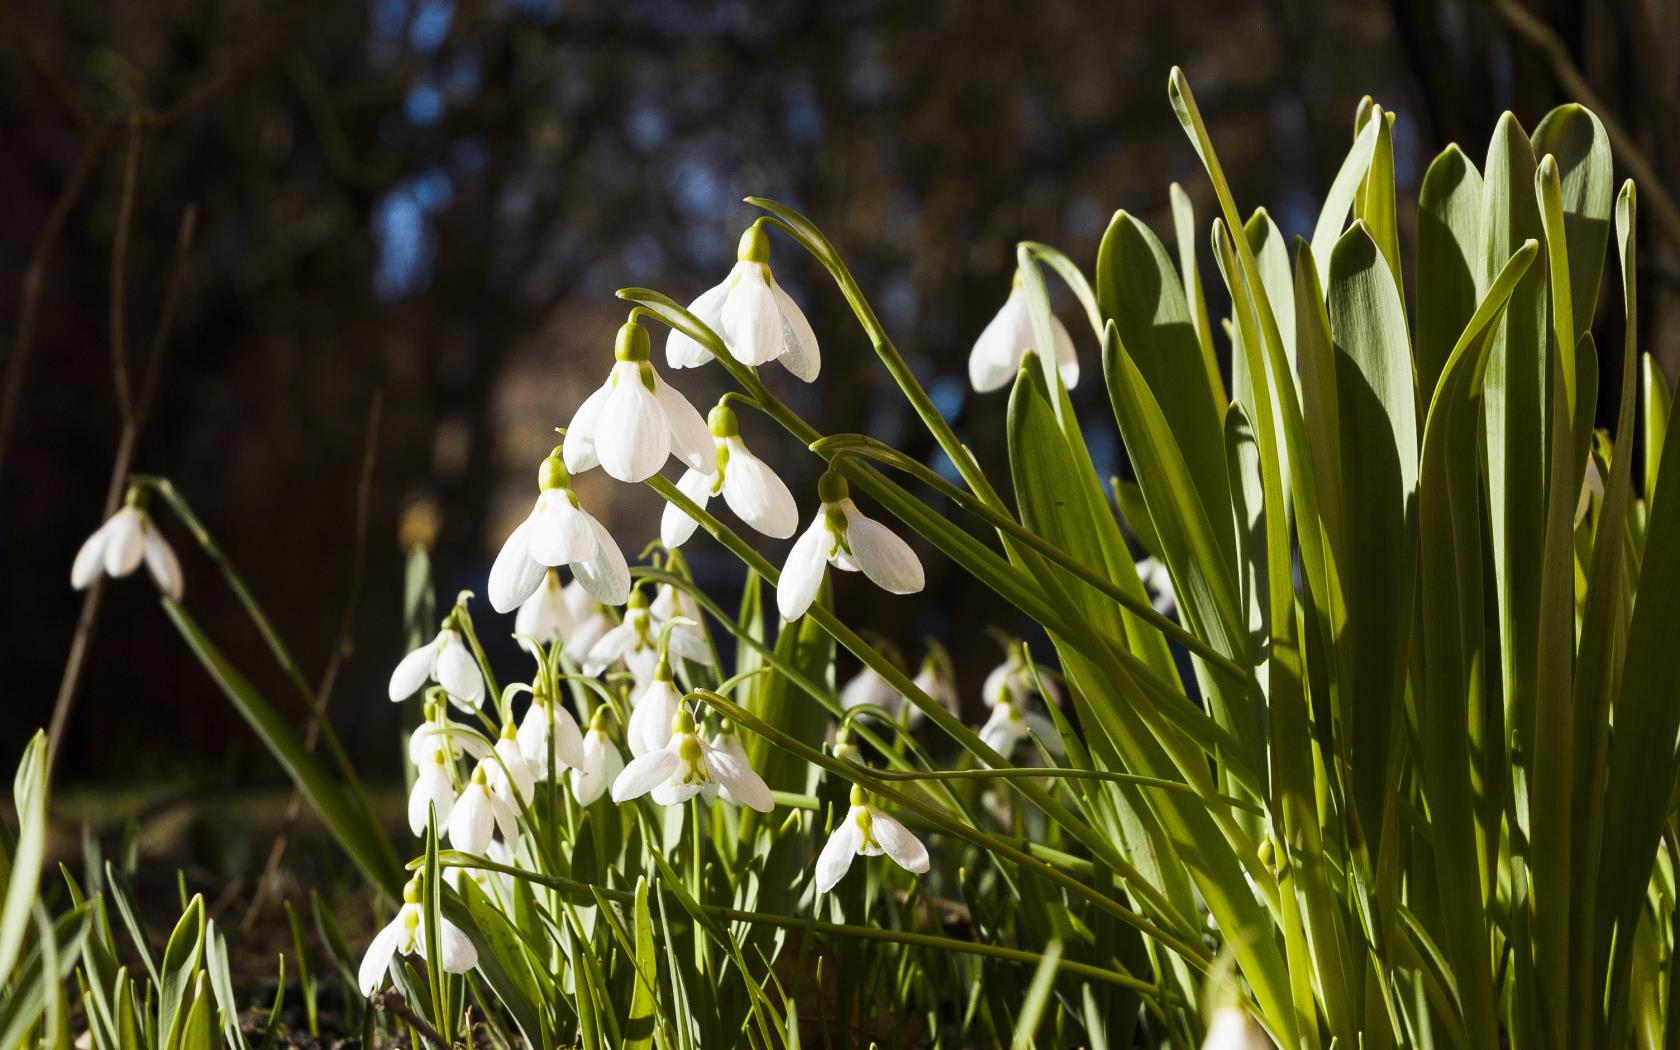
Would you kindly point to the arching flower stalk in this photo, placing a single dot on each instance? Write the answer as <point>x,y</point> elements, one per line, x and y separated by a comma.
<point>749,487</point>
<point>635,419</point>
<point>558,531</point>
<point>127,538</point>
<point>867,831</point>
<point>757,321</point>
<point>686,767</point>
<point>843,536</point>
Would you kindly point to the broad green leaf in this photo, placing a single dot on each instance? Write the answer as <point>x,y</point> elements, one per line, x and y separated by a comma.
<point>1449,274</point>
<point>29,792</point>
<point>1038,998</point>
<point>26,994</point>
<point>1332,217</point>
<point>197,1030</point>
<point>221,985</point>
<point>1573,135</point>
<point>1190,278</point>
<point>1375,205</point>
<point>638,1026</point>
<point>1658,398</point>
<point>503,959</point>
<point>179,970</point>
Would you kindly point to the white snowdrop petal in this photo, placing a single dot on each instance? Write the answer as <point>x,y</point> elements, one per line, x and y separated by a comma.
<point>125,541</point>
<point>745,786</point>
<point>162,564</point>
<point>458,673</point>
<point>683,352</point>
<point>837,853</point>
<point>560,533</point>
<point>586,634</point>
<point>371,974</point>
<point>472,824</point>
<point>644,774</point>
<point>578,450</point>
<point>1003,730</point>
<point>1231,1029</point>
<point>613,647</point>
<point>691,440</point>
<point>997,353</point>
<point>884,557</point>
<point>752,322</point>
<point>90,558</point>
<point>606,576</point>
<point>633,438</point>
<point>898,843</point>
<point>457,951</point>
<point>800,355</point>
<point>431,791</point>
<point>411,672</point>
<point>756,495</point>
<point>802,573</point>
<point>670,794</point>
<point>650,718</point>
<point>568,738</point>
<point>514,576</point>
<point>675,526</point>
<point>1067,361</point>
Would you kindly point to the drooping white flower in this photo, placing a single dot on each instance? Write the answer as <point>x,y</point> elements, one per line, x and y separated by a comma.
<point>1014,680</point>
<point>634,641</point>
<point>544,618</point>
<point>997,354</point>
<point>757,321</point>
<point>1592,488</point>
<point>406,935</point>
<point>635,419</point>
<point>868,687</point>
<point>868,832</point>
<point>686,641</point>
<point>558,531</point>
<point>728,742</point>
<point>433,791</point>
<point>1010,724</point>
<point>510,774</point>
<point>1158,580</point>
<point>545,718</point>
<point>750,488</point>
<point>446,661</point>
<point>601,762</point>
<point>1233,1029</point>
<point>687,766</point>
<point>479,813</point>
<point>843,536</point>
<point>652,711</point>
<point>127,538</point>
<point>934,679</point>
<point>441,733</point>
<point>589,622</point>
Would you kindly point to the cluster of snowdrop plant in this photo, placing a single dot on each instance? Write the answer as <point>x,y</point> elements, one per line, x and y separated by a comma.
<point>1355,725</point>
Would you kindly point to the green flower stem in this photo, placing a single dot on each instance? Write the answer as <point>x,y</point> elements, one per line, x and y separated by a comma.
<point>283,656</point>
<point>967,737</point>
<point>588,892</point>
<point>1070,275</point>
<point>465,619</point>
<point>1192,951</point>
<point>880,452</point>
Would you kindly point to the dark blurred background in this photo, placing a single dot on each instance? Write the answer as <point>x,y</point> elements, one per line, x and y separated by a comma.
<point>435,199</point>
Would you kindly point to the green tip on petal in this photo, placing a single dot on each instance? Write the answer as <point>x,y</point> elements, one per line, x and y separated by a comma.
<point>632,342</point>
<point>722,422</point>
<point>832,487</point>
<point>755,245</point>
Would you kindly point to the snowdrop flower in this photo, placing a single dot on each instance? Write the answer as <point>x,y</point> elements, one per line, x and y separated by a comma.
<point>545,718</point>
<point>868,832</point>
<point>652,711</point>
<point>635,419</point>
<point>934,679</point>
<point>545,617</point>
<point>1011,723</point>
<point>127,538</point>
<point>1592,487</point>
<point>1153,572</point>
<point>1014,680</point>
<point>684,640</point>
<point>634,641</point>
<point>842,536</point>
<point>757,321</point>
<point>728,743</point>
<point>446,661</point>
<point>433,792</point>
<point>601,763</point>
<point>558,531</point>
<point>1233,1029</point>
<point>406,935</point>
<point>997,354</point>
<point>868,687</point>
<point>479,813</point>
<point>441,733</point>
<point>687,766</point>
<point>751,489</point>
<point>510,775</point>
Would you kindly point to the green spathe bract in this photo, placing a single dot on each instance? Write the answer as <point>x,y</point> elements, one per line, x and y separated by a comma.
<point>1418,788</point>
